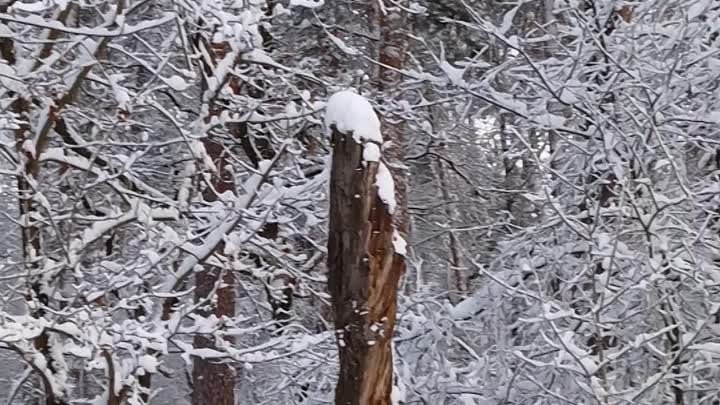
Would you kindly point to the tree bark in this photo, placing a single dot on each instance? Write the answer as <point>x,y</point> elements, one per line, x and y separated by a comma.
<point>364,271</point>
<point>456,268</point>
<point>29,171</point>
<point>391,25</point>
<point>280,286</point>
<point>214,382</point>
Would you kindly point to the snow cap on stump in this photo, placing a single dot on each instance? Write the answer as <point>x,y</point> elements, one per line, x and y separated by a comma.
<point>351,112</point>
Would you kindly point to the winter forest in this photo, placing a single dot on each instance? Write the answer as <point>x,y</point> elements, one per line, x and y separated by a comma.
<point>379,202</point>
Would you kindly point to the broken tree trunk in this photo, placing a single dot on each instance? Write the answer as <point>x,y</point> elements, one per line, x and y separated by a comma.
<point>364,271</point>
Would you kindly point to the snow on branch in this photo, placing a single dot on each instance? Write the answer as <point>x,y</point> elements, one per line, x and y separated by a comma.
<point>137,212</point>
<point>198,254</point>
<point>124,30</point>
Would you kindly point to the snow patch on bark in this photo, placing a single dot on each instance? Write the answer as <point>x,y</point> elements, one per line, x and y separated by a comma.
<point>386,187</point>
<point>371,153</point>
<point>399,243</point>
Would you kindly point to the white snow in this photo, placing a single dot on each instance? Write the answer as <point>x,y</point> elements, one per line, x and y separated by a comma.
<point>259,56</point>
<point>454,74</point>
<point>568,96</point>
<point>399,243</point>
<point>40,22</point>
<point>307,3</point>
<point>709,347</point>
<point>550,121</point>
<point>351,112</point>
<point>342,45</point>
<point>398,395</point>
<point>386,187</point>
<point>148,363</point>
<point>36,7</point>
<point>697,9</point>
<point>177,83</point>
<point>7,73</point>
<point>371,152</point>
<point>714,116</point>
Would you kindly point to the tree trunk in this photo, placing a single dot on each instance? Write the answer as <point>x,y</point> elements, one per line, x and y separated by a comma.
<point>364,271</point>
<point>29,170</point>
<point>457,279</point>
<point>280,286</point>
<point>391,27</point>
<point>214,382</point>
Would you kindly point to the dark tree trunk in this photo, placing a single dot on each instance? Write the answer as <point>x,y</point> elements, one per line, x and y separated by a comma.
<point>30,232</point>
<point>257,146</point>
<point>364,271</point>
<point>392,26</point>
<point>280,286</point>
<point>214,382</point>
